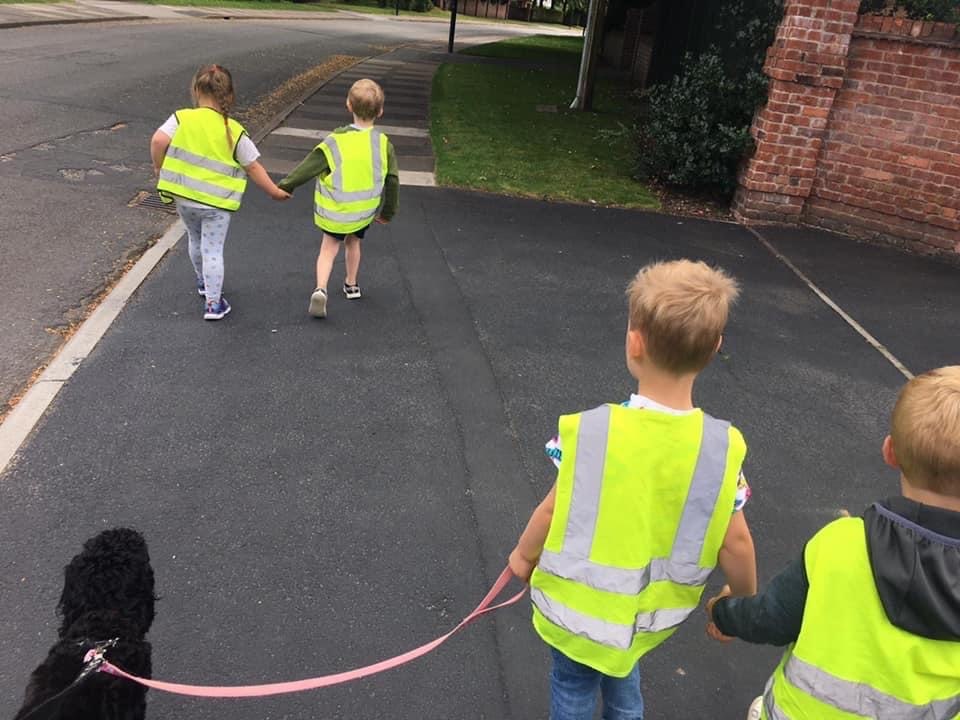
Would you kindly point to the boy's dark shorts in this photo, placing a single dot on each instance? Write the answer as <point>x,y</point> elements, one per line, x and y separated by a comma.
<point>342,236</point>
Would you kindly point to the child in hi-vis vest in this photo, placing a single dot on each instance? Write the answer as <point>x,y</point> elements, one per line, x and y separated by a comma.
<point>202,158</point>
<point>357,184</point>
<point>647,502</point>
<point>869,611</point>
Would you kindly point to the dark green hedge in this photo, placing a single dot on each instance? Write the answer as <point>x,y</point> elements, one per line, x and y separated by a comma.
<point>940,10</point>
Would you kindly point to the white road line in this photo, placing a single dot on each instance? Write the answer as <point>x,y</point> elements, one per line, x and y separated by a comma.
<point>418,178</point>
<point>24,417</point>
<point>321,134</point>
<point>876,344</point>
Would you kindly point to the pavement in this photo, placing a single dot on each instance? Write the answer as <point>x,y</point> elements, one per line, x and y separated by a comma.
<point>406,76</point>
<point>14,15</point>
<point>79,103</point>
<point>320,494</point>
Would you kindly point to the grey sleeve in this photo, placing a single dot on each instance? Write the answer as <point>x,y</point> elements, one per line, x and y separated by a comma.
<point>773,616</point>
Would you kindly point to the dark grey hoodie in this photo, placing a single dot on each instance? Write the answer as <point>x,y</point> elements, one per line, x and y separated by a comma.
<point>915,556</point>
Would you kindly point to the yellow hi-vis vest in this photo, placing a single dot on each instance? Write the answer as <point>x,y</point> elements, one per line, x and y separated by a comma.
<point>642,506</point>
<point>347,198</point>
<point>200,164</point>
<point>850,662</point>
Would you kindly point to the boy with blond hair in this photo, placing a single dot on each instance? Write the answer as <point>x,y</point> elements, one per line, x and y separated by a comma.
<point>357,182</point>
<point>870,612</point>
<point>646,503</point>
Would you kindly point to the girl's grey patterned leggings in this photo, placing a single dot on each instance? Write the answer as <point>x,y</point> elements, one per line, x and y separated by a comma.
<point>206,232</point>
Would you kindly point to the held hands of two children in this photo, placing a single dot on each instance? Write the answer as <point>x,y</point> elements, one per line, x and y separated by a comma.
<point>279,195</point>
<point>712,630</point>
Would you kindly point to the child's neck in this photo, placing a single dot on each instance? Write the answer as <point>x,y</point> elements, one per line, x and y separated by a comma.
<point>362,124</point>
<point>672,391</point>
<point>205,101</point>
<point>928,497</point>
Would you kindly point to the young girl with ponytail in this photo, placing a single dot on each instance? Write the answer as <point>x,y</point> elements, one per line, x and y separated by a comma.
<point>203,158</point>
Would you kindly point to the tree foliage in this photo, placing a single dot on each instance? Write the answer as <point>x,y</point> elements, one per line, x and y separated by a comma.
<point>693,130</point>
<point>940,10</point>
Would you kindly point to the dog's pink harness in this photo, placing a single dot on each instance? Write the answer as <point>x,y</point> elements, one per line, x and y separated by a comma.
<point>237,691</point>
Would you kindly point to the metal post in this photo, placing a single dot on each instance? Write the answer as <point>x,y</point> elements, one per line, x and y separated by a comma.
<point>588,59</point>
<point>453,25</point>
<point>397,7</point>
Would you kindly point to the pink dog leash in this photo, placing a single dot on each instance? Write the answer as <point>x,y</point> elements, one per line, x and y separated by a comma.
<point>237,691</point>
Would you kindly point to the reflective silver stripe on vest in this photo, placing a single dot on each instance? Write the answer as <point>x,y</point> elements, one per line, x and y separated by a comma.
<point>602,631</point>
<point>346,217</point>
<point>200,186</point>
<point>595,629</point>
<point>856,698</point>
<point>337,193</point>
<point>216,166</point>
<point>683,565</point>
<point>770,708</point>
<point>701,500</point>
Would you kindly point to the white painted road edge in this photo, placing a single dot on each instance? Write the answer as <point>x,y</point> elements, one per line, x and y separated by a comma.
<point>27,413</point>
<point>873,342</point>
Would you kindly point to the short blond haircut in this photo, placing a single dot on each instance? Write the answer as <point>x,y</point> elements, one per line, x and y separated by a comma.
<point>366,99</point>
<point>925,429</point>
<point>681,308</point>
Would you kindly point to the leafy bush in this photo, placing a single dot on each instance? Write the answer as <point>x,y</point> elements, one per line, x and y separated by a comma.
<point>695,129</point>
<point>940,10</point>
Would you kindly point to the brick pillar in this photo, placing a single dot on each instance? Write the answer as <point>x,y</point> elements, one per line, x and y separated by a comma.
<point>806,65</point>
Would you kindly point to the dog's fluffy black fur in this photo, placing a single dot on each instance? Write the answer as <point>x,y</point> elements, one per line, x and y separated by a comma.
<point>108,592</point>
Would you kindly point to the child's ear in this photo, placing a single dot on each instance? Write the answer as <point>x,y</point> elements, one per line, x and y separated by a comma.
<point>717,349</point>
<point>380,114</point>
<point>889,456</point>
<point>636,346</point>
<point>349,106</point>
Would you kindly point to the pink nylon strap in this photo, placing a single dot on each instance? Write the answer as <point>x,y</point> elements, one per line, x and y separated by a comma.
<point>237,691</point>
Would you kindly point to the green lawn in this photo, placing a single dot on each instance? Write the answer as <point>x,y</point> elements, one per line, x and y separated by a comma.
<point>373,7</point>
<point>545,48</point>
<point>489,135</point>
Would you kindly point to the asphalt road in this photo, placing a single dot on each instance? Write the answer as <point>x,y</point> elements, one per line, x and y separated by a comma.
<point>321,494</point>
<point>78,104</point>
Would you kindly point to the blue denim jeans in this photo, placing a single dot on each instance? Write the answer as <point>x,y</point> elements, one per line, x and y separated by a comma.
<point>573,692</point>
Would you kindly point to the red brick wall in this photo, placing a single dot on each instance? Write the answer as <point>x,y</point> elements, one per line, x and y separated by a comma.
<point>861,132</point>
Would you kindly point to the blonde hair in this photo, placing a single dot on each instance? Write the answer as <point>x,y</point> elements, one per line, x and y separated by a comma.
<point>681,308</point>
<point>216,82</point>
<point>366,99</point>
<point>925,429</point>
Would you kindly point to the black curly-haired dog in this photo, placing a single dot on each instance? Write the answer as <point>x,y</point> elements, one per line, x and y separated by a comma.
<point>107,594</point>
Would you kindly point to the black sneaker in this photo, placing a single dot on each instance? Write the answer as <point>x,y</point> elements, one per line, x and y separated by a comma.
<point>351,292</point>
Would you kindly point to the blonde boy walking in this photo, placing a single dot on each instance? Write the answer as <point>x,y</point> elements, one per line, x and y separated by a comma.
<point>870,612</point>
<point>357,184</point>
<point>644,506</point>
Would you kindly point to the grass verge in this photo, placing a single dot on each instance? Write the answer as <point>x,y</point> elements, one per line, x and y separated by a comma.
<point>491,131</point>
<point>540,48</point>
<point>372,7</point>
<point>268,5</point>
